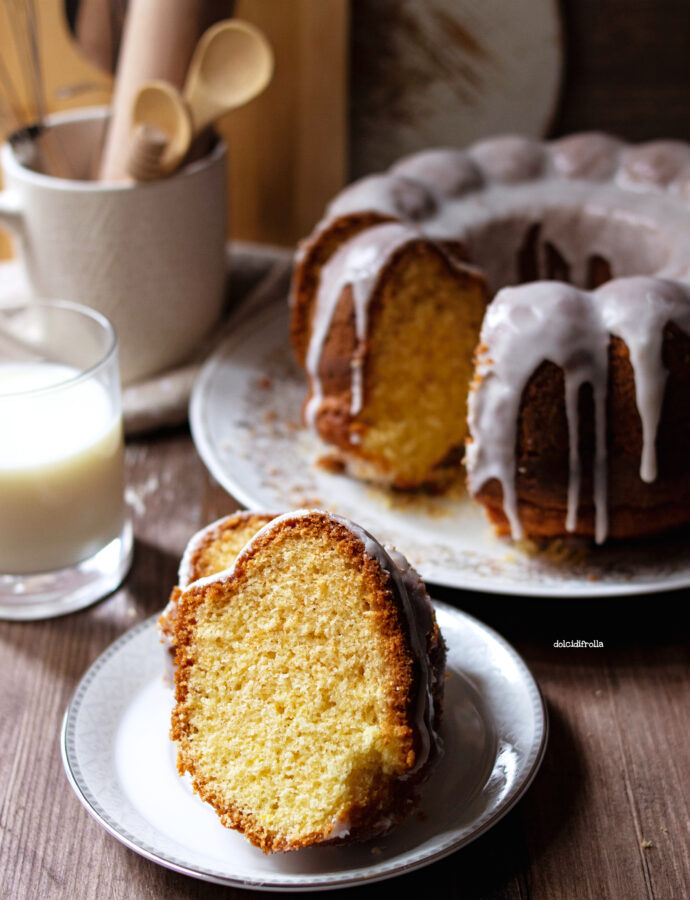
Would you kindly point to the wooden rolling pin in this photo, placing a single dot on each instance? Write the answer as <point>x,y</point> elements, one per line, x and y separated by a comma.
<point>158,41</point>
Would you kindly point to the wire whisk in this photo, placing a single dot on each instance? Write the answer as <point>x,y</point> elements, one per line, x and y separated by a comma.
<point>23,106</point>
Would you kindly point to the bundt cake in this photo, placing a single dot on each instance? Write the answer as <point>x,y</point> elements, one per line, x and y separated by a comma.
<point>308,685</point>
<point>579,419</point>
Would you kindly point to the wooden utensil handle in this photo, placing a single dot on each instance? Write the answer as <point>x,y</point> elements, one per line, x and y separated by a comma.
<point>158,41</point>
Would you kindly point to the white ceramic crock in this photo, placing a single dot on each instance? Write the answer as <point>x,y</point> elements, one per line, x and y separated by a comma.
<point>151,257</point>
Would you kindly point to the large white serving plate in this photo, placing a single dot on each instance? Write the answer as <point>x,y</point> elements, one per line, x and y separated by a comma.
<point>245,418</point>
<point>121,763</point>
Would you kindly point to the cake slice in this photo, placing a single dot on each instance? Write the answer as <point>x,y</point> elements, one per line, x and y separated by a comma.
<point>309,678</point>
<point>391,329</point>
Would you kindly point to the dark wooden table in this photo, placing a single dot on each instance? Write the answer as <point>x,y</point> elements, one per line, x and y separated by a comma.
<point>607,816</point>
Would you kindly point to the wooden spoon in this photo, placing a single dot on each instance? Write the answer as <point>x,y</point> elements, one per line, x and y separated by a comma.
<point>232,63</point>
<point>162,131</point>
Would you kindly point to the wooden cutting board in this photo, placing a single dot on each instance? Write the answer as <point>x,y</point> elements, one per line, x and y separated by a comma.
<point>288,149</point>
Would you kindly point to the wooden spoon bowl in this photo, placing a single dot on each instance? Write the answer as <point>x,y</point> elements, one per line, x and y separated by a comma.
<point>232,64</point>
<point>163,130</point>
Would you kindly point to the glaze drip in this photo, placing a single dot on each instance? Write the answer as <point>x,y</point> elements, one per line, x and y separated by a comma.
<point>529,324</point>
<point>358,264</point>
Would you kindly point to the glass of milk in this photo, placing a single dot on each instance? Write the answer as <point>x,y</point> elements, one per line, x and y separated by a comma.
<point>65,540</point>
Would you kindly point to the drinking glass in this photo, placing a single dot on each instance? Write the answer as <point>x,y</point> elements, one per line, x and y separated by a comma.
<point>65,539</point>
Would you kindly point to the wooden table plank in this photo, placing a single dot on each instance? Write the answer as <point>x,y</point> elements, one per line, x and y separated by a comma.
<point>615,773</point>
<point>617,768</point>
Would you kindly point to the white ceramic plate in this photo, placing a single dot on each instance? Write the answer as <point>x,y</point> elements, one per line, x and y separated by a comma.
<point>245,418</point>
<point>121,764</point>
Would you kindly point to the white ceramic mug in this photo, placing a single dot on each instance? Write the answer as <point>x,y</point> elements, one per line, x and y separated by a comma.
<point>151,257</point>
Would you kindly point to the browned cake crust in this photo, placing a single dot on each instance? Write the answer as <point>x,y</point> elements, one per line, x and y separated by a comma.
<point>390,796</point>
<point>211,550</point>
<point>636,509</point>
<point>210,554</point>
<point>313,255</point>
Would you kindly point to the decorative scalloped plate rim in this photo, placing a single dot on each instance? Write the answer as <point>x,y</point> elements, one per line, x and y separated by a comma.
<point>495,731</point>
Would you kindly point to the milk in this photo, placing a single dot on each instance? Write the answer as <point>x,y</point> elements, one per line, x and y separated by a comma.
<point>61,467</point>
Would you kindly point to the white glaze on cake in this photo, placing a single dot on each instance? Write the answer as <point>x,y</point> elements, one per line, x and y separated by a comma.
<point>419,617</point>
<point>357,264</point>
<point>589,193</point>
<point>551,321</point>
